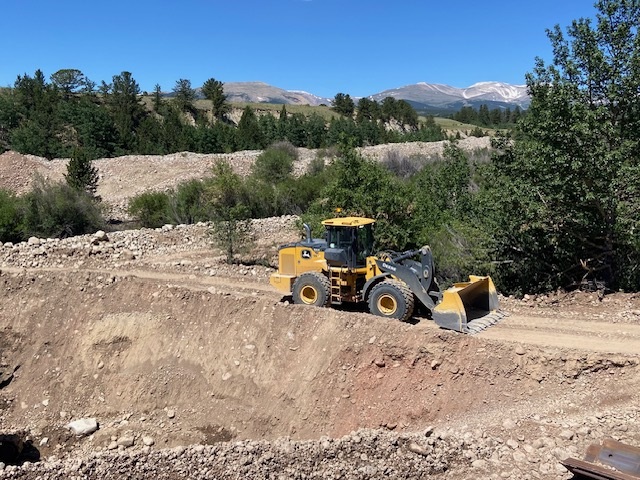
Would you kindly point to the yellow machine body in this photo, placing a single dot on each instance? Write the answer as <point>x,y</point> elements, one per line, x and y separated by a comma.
<point>341,268</point>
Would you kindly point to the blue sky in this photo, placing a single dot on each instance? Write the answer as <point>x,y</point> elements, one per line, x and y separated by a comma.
<point>321,46</point>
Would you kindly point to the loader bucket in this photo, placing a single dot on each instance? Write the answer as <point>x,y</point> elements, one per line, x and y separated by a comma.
<point>468,307</point>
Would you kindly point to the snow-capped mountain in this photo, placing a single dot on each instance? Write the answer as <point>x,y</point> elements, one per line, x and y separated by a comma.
<point>435,97</point>
<point>497,91</point>
<point>425,97</point>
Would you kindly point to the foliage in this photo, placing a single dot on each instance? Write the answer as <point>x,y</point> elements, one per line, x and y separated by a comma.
<point>127,112</point>
<point>184,95</point>
<point>361,187</point>
<point>445,216</point>
<point>483,117</point>
<point>231,227</point>
<point>69,80</point>
<point>151,209</point>
<point>157,97</point>
<point>399,165</point>
<point>477,132</point>
<point>250,136</point>
<point>563,206</point>
<point>81,174</point>
<point>89,127</point>
<point>11,211</point>
<point>52,119</point>
<point>275,163</point>
<point>213,90</point>
<point>344,105</point>
<point>188,203</point>
<point>58,210</point>
<point>39,129</point>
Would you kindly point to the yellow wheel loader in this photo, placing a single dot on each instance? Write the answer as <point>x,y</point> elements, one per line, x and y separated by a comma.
<point>342,267</point>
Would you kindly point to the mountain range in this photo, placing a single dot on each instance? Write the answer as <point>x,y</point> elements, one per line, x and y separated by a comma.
<point>424,97</point>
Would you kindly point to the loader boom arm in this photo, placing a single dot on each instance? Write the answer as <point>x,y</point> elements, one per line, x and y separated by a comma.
<point>466,307</point>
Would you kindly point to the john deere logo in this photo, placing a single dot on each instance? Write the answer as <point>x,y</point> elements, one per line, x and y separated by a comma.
<point>306,254</point>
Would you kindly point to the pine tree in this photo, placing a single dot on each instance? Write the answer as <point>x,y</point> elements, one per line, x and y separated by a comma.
<point>81,174</point>
<point>213,90</point>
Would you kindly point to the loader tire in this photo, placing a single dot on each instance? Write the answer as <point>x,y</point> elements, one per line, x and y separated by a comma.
<point>392,299</point>
<point>312,288</point>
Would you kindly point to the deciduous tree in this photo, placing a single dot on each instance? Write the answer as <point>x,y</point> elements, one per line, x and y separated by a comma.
<point>566,203</point>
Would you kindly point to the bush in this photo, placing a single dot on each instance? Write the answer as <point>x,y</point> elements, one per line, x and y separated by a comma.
<point>273,165</point>
<point>151,209</point>
<point>233,234</point>
<point>399,165</point>
<point>10,217</point>
<point>188,203</point>
<point>58,210</point>
<point>459,250</point>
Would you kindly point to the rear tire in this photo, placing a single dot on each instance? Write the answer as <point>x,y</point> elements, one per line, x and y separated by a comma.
<point>392,299</point>
<point>312,288</point>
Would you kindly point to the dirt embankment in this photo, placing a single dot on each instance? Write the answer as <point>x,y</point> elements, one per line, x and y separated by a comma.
<point>197,369</point>
<point>169,347</point>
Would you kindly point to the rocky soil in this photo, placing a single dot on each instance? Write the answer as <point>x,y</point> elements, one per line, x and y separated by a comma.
<point>193,368</point>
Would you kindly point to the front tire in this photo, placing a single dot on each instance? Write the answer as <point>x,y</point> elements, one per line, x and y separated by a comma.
<point>312,288</point>
<point>392,299</point>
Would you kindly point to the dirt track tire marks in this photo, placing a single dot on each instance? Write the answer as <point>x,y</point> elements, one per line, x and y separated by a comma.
<point>185,280</point>
<point>578,334</point>
<point>584,333</point>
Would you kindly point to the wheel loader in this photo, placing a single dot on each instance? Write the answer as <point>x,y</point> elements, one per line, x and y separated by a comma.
<point>342,267</point>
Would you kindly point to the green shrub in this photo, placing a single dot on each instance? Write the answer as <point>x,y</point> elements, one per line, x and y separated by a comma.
<point>399,165</point>
<point>58,210</point>
<point>273,165</point>
<point>189,203</point>
<point>151,209</point>
<point>10,217</point>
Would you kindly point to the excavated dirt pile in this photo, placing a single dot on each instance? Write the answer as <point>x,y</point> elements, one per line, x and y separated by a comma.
<point>181,366</point>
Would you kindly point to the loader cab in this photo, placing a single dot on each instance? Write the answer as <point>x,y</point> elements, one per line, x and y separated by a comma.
<point>349,241</point>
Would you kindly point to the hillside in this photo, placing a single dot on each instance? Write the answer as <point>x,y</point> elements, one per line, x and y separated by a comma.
<point>124,177</point>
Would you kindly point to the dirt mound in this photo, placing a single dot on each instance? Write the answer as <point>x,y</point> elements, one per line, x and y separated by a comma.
<point>166,358</point>
<point>122,178</point>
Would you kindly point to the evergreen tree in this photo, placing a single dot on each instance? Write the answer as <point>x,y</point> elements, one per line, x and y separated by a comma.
<point>316,131</point>
<point>283,124</point>
<point>123,100</point>
<point>344,105</point>
<point>269,129</point>
<point>297,129</point>
<point>157,98</point>
<point>69,80</point>
<point>40,130</point>
<point>213,90</point>
<point>367,110</point>
<point>81,174</point>
<point>184,96</point>
<point>249,133</point>
<point>89,126</point>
